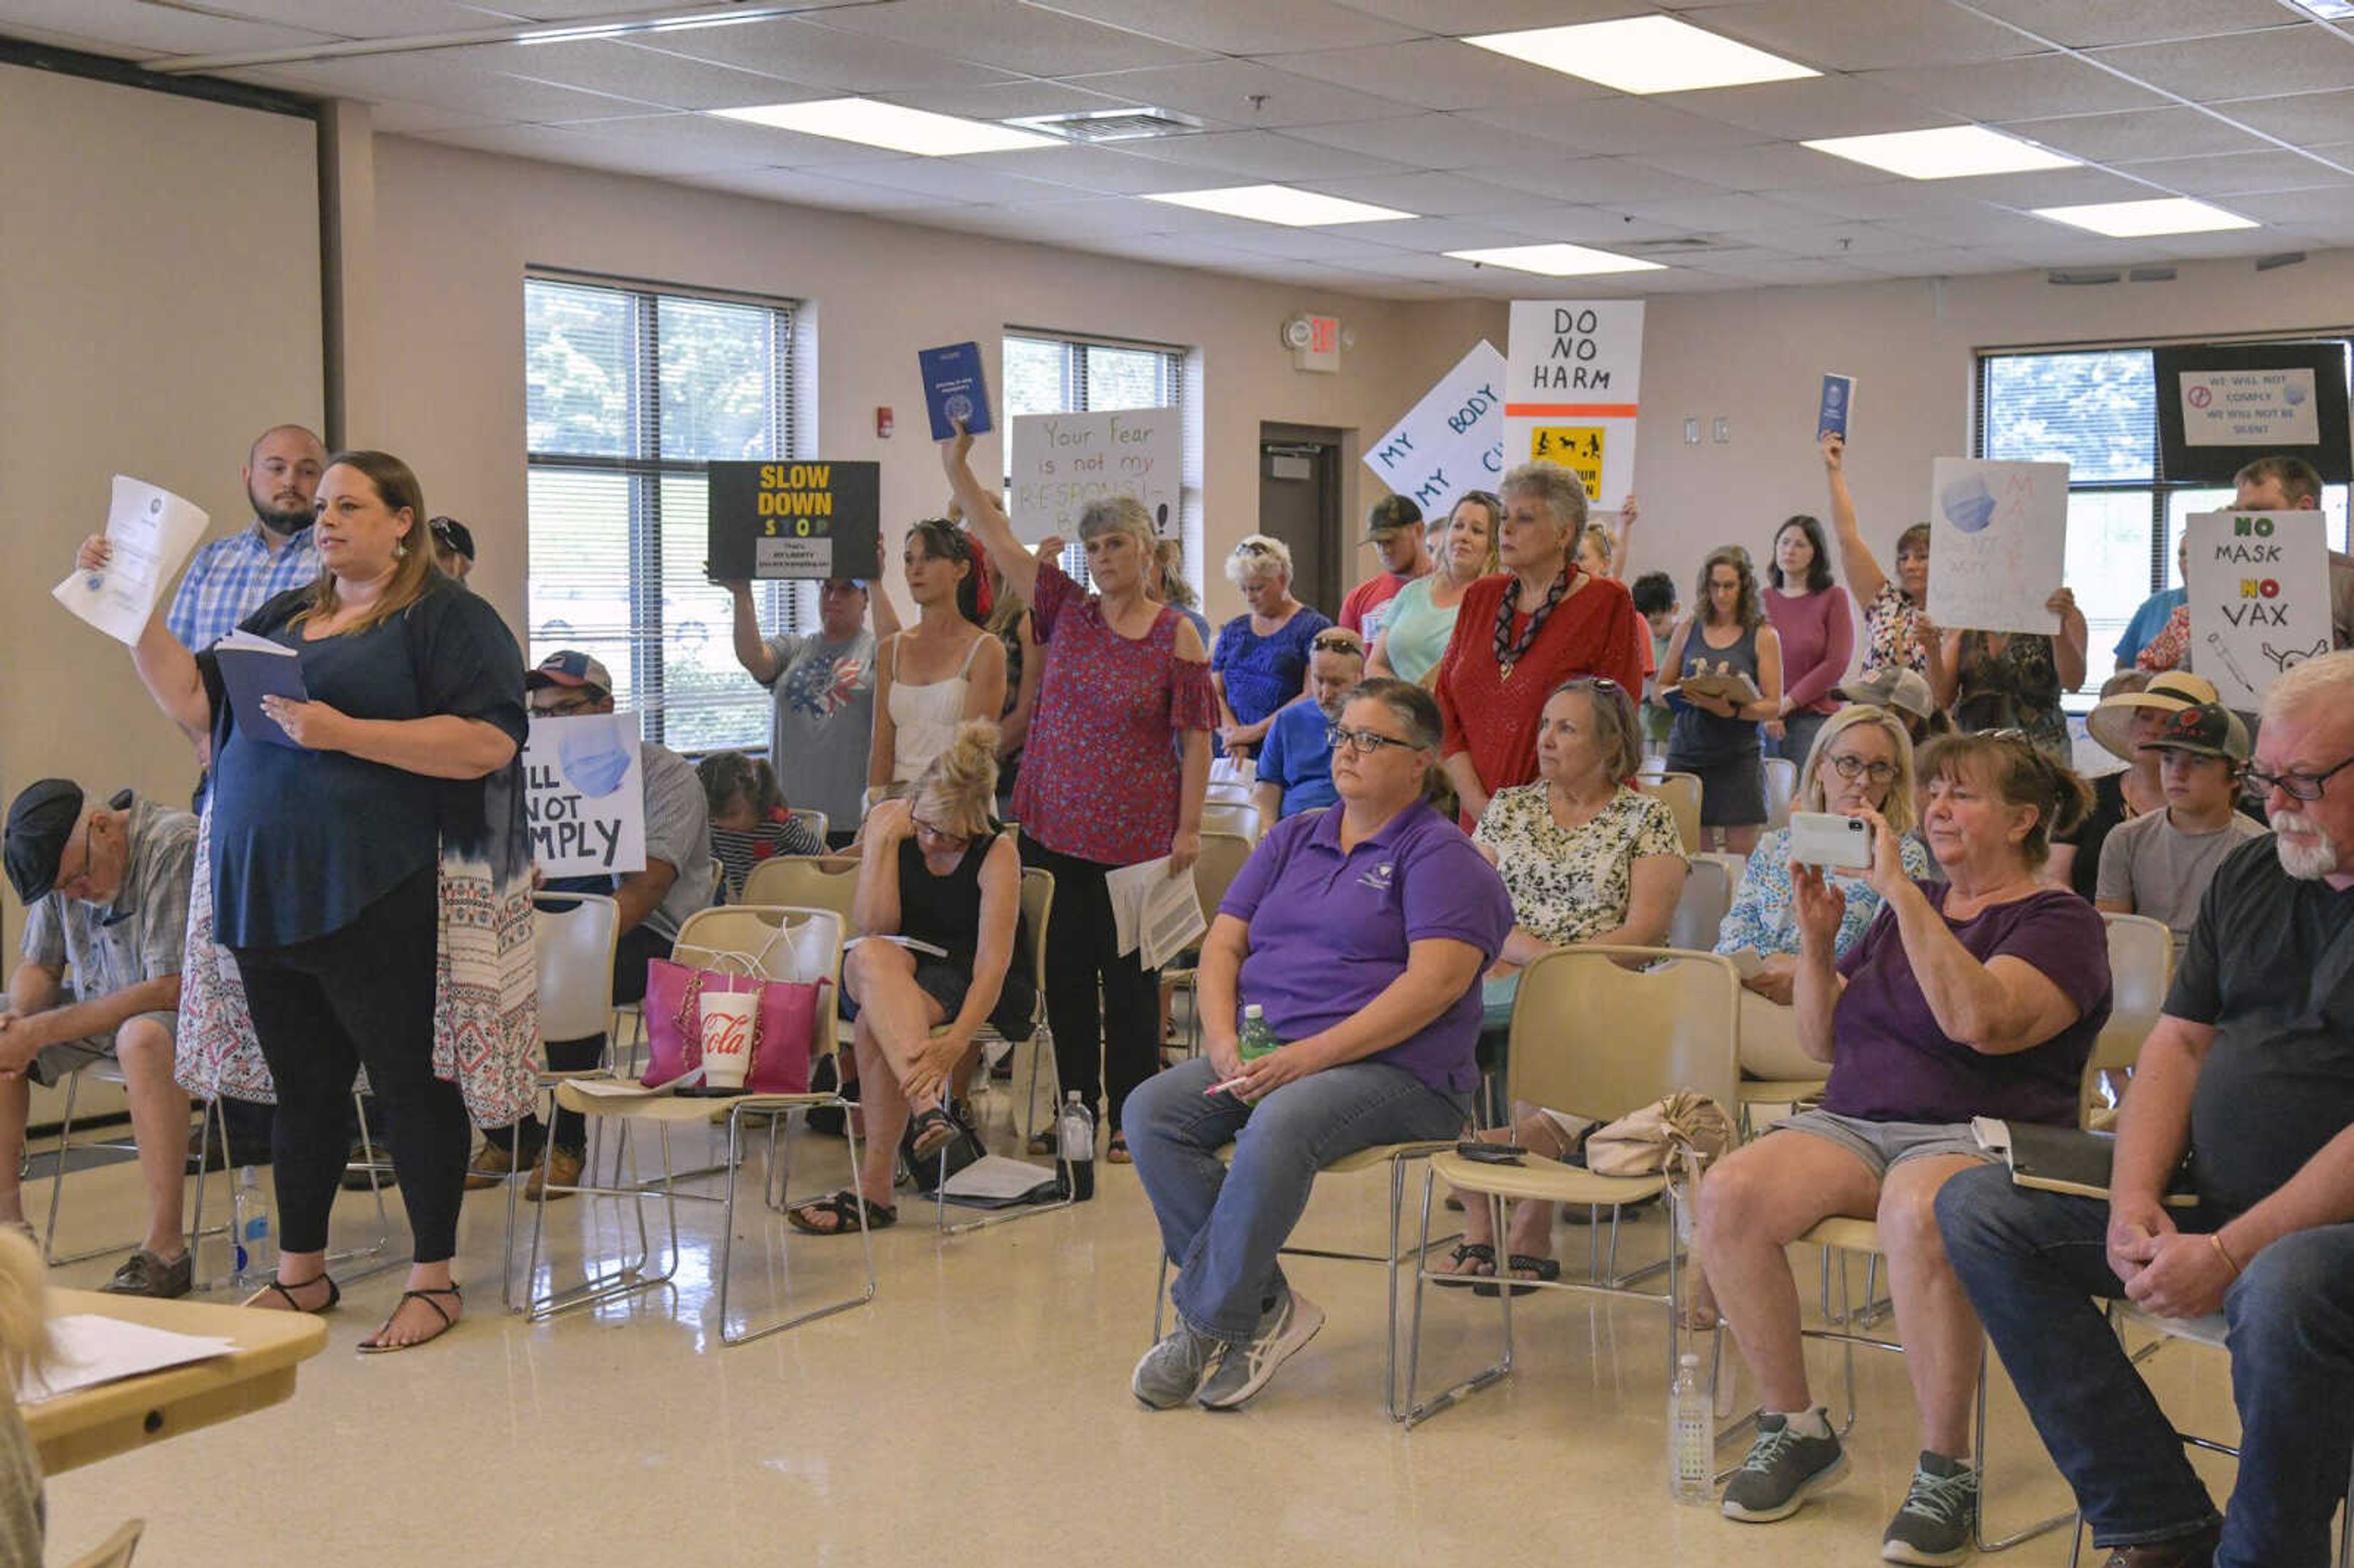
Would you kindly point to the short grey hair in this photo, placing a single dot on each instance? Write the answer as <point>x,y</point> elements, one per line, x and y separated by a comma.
<point>1120,514</point>
<point>2320,685</point>
<point>1561,492</point>
<point>1256,555</point>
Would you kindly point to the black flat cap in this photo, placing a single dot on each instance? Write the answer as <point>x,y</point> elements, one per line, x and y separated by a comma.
<point>39,822</point>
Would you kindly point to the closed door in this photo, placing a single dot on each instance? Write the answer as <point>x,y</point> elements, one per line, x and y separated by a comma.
<point>1299,503</point>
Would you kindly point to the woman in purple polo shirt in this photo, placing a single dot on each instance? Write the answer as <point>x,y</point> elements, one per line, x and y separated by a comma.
<point>1360,930</point>
<point>1979,996</point>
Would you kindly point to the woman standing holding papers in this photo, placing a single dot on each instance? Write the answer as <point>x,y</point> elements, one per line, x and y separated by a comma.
<point>1114,773</point>
<point>325,849</point>
<point>1716,737</point>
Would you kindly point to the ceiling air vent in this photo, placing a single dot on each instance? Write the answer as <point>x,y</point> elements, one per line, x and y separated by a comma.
<point>1688,245</point>
<point>1111,125</point>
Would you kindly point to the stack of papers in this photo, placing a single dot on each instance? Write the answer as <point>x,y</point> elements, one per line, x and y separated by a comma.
<point>91,1348</point>
<point>152,531</point>
<point>1156,915</point>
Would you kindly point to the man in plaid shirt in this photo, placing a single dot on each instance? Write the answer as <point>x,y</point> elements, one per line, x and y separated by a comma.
<point>231,578</point>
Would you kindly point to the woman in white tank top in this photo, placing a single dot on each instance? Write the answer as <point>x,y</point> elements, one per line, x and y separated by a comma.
<point>940,671</point>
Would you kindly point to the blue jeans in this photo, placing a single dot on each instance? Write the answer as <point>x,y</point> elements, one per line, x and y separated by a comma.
<point>1798,733</point>
<point>1224,1226</point>
<point>2032,1261</point>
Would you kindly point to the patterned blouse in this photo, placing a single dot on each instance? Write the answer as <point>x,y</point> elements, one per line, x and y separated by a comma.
<point>1570,887</point>
<point>2015,687</point>
<point>1892,636</point>
<point>1764,912</point>
<point>1099,778</point>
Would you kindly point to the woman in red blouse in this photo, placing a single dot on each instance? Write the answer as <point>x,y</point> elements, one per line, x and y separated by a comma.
<point>1112,773</point>
<point>1522,632</point>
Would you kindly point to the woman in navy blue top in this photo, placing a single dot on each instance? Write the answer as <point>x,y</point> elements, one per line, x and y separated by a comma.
<point>330,818</point>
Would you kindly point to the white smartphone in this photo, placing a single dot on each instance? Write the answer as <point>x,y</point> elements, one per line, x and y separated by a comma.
<point>1826,839</point>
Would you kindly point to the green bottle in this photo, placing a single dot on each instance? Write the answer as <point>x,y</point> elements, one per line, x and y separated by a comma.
<point>1257,1039</point>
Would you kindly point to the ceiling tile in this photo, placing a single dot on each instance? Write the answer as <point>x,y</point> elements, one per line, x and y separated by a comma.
<point>1006,100</point>
<point>429,79</point>
<point>1009,34</point>
<point>1934,262</point>
<point>573,10</point>
<point>2240,174</point>
<point>1429,236</point>
<point>1103,169</point>
<point>2053,187</point>
<point>803,189</point>
<point>1438,73</point>
<point>2154,133</point>
<point>1766,167</point>
<point>1429,196</point>
<point>1766,267</point>
<point>1982,226</point>
<point>1579,225</point>
<point>2304,118</point>
<point>2334,205</point>
<point>356,18</point>
<point>945,179</point>
<point>2081,24</point>
<point>130,29</point>
<point>2306,58</point>
<point>828,57</point>
<point>1226,89</point>
<point>1796,111</point>
<point>1866,35</point>
<point>1616,124</point>
<point>1616,183</point>
<point>1435,141</point>
<point>587,149</point>
<point>723,141</point>
<point>1893,201</point>
<point>1309,244</point>
<point>1456,17</point>
<point>1837,240</point>
<point>626,70</point>
<point>1242,27</point>
<point>2016,89</point>
<point>1717,213</point>
<point>1236,156</point>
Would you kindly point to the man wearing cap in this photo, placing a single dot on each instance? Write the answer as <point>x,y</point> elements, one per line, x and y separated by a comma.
<point>105,888</point>
<point>654,902</point>
<point>1294,764</point>
<point>2159,863</point>
<point>2249,1064</point>
<point>1903,692</point>
<point>825,688</point>
<point>453,547</point>
<point>1394,528</point>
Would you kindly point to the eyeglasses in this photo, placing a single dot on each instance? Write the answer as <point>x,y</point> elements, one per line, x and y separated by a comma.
<point>1336,642</point>
<point>933,829</point>
<point>1364,742</point>
<point>1852,767</point>
<point>2304,786</point>
<point>565,706</point>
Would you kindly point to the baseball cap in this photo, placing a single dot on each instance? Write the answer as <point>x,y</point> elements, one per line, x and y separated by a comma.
<point>452,535</point>
<point>1893,687</point>
<point>1389,514</point>
<point>2111,721</point>
<point>39,824</point>
<point>570,667</point>
<point>2207,729</point>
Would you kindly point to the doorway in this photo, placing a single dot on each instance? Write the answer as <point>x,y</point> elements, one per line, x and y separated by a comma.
<point>1299,503</point>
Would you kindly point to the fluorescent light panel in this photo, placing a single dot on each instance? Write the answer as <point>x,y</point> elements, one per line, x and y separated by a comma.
<point>1556,261</point>
<point>1644,54</point>
<point>873,125</point>
<point>1280,203</point>
<point>1946,152</point>
<point>2135,220</point>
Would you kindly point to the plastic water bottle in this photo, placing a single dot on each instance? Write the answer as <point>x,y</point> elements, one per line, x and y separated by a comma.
<point>1074,1135</point>
<point>252,1253</point>
<point>1691,1438</point>
<point>1258,1038</point>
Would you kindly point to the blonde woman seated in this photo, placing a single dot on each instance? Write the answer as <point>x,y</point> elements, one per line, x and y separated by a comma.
<point>1586,858</point>
<point>936,868</point>
<point>1977,996</point>
<point>1861,760</point>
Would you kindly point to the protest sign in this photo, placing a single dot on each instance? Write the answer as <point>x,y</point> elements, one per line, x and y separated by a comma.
<point>1997,544</point>
<point>795,520</point>
<point>2222,405</point>
<point>2259,587</point>
<point>1571,390</point>
<point>1062,461</point>
<point>1450,441</point>
<point>585,795</point>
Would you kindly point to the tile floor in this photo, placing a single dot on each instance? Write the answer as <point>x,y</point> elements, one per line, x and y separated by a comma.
<point>976,1413</point>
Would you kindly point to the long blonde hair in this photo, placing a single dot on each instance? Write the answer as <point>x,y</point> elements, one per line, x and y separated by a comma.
<point>1902,807</point>
<point>413,569</point>
<point>24,1307</point>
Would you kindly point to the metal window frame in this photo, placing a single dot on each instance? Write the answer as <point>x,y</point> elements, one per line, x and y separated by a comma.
<point>1169,388</point>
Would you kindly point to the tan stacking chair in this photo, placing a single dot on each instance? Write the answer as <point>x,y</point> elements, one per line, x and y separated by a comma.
<point>1604,1041</point>
<point>1700,908</point>
<point>1223,855</point>
<point>811,819</point>
<point>2141,968</point>
<point>1781,789</point>
<point>116,1551</point>
<point>1681,793</point>
<point>1238,817</point>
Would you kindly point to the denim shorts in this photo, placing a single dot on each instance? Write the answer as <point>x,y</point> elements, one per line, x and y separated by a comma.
<point>1884,1145</point>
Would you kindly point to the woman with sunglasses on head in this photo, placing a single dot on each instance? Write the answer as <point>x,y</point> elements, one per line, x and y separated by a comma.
<point>935,867</point>
<point>941,671</point>
<point>1422,617</point>
<point>1716,737</point>
<point>1261,660</point>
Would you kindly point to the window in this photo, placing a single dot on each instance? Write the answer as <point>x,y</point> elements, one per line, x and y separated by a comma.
<point>1069,376</point>
<point>2097,411</point>
<point>630,393</point>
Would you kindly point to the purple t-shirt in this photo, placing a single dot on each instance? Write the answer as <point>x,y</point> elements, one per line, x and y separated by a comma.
<point>1894,1063</point>
<point>1329,930</point>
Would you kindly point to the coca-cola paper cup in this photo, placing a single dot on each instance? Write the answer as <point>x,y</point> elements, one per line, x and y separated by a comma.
<point>727,1020</point>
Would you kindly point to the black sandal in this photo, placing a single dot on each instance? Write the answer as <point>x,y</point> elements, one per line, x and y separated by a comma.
<point>1467,1252</point>
<point>286,1294</point>
<point>843,1207</point>
<point>373,1344</point>
<point>932,1128</point>
<point>1544,1268</point>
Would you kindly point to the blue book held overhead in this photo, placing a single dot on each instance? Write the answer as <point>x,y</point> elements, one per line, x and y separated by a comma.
<point>955,387</point>
<point>1839,401</point>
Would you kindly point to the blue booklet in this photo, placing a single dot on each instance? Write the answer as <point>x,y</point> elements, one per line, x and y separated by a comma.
<point>955,387</point>
<point>1839,400</point>
<point>253,668</point>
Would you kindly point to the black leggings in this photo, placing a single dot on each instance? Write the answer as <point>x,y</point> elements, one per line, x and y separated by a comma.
<point>1082,953</point>
<point>639,946</point>
<point>322,1008</point>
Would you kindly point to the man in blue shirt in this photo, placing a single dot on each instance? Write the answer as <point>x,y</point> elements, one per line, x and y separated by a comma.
<point>2151,617</point>
<point>1295,761</point>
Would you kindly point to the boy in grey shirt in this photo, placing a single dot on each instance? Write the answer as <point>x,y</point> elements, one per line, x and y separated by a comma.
<point>2159,864</point>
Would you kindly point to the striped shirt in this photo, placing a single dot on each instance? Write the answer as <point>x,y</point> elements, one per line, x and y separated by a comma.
<point>229,579</point>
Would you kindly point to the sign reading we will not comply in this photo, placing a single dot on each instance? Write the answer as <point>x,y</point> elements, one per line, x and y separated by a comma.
<point>1572,388</point>
<point>585,796</point>
<point>1450,441</point>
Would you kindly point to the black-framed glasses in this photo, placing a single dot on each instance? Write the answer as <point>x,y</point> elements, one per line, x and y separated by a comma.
<point>566,706</point>
<point>1363,742</point>
<point>933,829</point>
<point>2304,787</point>
<point>1854,768</point>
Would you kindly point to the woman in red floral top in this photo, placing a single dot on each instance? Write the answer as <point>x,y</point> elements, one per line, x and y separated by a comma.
<point>1112,773</point>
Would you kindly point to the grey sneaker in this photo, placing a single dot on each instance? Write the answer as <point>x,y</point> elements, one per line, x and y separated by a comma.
<point>1244,1369</point>
<point>1784,1469</point>
<point>1933,1528</point>
<point>144,1274</point>
<point>1171,1371</point>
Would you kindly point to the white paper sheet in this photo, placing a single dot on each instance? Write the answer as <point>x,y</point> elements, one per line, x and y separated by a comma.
<point>152,531</point>
<point>997,1178</point>
<point>1154,915</point>
<point>92,1349</point>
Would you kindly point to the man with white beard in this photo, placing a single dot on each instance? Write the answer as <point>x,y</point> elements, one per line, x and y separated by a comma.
<point>2252,1063</point>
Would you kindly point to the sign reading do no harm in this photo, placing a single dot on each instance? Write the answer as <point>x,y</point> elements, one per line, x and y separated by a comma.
<point>1573,386</point>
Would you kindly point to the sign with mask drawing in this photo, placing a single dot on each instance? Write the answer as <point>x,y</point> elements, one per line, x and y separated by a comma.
<point>585,795</point>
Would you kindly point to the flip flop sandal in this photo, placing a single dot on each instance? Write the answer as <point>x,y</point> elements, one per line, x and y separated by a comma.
<point>1117,1154</point>
<point>843,1208</point>
<point>373,1344</point>
<point>1463,1278</point>
<point>286,1294</point>
<point>933,1129</point>
<point>1544,1268</point>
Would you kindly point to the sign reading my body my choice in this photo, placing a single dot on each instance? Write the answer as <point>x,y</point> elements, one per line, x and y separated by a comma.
<point>811,521</point>
<point>585,795</point>
<point>1571,391</point>
<point>1452,441</point>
